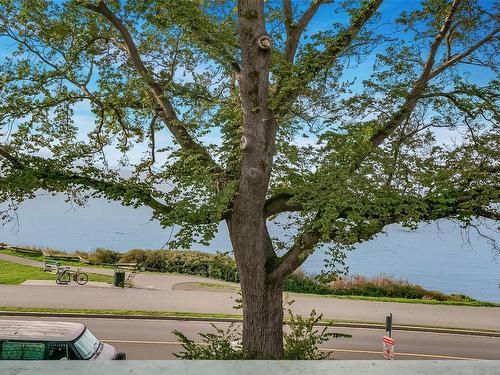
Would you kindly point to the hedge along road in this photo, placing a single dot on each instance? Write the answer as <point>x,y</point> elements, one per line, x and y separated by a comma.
<point>166,299</point>
<point>152,339</point>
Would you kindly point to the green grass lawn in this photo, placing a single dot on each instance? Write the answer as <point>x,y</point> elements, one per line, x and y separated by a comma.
<point>14,274</point>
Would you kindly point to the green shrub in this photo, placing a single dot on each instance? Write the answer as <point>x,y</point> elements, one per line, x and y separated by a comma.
<point>383,286</point>
<point>299,282</point>
<point>304,338</point>
<point>218,266</point>
<point>134,256</point>
<point>222,345</point>
<point>154,261</point>
<point>99,256</point>
<point>301,342</point>
<point>458,298</point>
<point>104,256</point>
<point>376,287</point>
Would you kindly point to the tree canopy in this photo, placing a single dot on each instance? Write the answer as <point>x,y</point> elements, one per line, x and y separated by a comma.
<point>352,111</point>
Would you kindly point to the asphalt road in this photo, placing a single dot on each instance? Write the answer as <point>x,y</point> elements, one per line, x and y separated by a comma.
<point>153,339</point>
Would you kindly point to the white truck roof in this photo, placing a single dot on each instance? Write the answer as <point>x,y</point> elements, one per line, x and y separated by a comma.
<point>39,330</point>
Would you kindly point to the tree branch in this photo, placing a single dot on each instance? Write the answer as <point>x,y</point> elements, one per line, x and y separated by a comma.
<point>11,158</point>
<point>75,179</point>
<point>450,96</point>
<point>418,88</point>
<point>487,213</point>
<point>226,57</point>
<point>152,140</point>
<point>167,114</point>
<point>289,87</point>
<point>430,208</point>
<point>345,37</point>
<point>303,246</point>
<point>294,31</point>
<point>280,203</point>
<point>114,190</point>
<point>288,15</point>
<point>458,58</point>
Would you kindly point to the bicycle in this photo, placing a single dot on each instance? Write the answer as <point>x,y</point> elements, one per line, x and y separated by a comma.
<point>66,275</point>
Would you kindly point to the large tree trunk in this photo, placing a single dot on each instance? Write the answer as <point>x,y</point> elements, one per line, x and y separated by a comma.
<point>262,299</point>
<point>262,318</point>
<point>253,250</point>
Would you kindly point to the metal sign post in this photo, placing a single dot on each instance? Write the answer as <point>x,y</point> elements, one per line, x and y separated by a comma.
<point>388,341</point>
<point>388,324</point>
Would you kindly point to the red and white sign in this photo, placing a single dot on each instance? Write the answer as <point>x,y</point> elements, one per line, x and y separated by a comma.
<point>388,347</point>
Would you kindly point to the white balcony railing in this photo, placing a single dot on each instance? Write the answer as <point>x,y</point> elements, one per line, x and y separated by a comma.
<point>251,368</point>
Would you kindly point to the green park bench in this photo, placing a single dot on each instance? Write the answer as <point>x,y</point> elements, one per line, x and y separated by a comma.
<point>49,265</point>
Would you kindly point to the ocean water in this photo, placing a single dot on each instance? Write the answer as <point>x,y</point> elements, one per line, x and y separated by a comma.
<point>436,256</point>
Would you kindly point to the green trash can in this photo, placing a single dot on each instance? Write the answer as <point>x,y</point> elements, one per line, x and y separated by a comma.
<point>119,279</point>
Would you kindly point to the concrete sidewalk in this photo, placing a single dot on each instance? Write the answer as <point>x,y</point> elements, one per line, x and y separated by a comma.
<point>166,299</point>
<point>210,302</point>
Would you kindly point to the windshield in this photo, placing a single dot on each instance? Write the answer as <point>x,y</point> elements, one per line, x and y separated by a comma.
<point>87,344</point>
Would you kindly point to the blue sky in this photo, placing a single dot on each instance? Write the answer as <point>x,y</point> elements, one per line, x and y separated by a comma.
<point>326,16</point>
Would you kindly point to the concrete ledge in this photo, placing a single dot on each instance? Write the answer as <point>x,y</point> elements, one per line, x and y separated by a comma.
<point>251,367</point>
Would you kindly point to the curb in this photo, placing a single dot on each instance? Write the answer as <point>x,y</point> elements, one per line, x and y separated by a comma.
<point>452,331</point>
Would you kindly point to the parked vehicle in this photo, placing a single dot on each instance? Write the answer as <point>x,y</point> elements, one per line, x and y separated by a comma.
<point>47,340</point>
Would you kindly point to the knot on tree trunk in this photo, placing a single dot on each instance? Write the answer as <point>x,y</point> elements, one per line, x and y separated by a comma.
<point>264,42</point>
<point>254,173</point>
<point>244,142</point>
